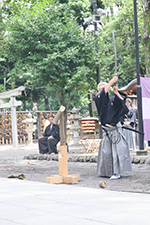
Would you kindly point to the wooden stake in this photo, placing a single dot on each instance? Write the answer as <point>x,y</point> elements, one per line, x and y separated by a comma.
<point>63,176</point>
<point>63,161</point>
<point>62,157</point>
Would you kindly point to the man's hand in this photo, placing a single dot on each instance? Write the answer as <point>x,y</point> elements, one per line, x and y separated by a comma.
<point>115,78</point>
<point>50,137</point>
<point>41,137</point>
<point>115,89</point>
<point>111,82</point>
<point>126,123</point>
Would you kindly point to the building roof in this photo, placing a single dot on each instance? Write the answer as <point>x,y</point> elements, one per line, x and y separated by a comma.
<point>130,89</point>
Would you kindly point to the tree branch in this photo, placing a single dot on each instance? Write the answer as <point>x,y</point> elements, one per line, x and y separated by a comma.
<point>57,96</point>
<point>69,97</point>
<point>63,97</point>
<point>89,76</point>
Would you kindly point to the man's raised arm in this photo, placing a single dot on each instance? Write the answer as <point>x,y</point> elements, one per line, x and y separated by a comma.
<point>111,82</point>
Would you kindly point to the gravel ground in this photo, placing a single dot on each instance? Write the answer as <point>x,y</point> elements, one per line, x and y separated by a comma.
<point>11,162</point>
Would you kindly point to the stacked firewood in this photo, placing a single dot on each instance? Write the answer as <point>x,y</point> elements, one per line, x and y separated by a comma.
<point>21,127</point>
<point>6,128</point>
<point>88,128</point>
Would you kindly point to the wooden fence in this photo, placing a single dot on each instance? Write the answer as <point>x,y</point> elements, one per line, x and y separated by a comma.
<point>6,127</point>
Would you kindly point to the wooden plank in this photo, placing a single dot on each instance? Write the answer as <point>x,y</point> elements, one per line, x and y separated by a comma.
<point>70,179</point>
<point>54,179</point>
<point>62,130</point>
<point>63,160</point>
<point>77,175</point>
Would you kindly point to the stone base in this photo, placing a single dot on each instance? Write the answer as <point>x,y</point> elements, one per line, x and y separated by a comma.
<point>141,152</point>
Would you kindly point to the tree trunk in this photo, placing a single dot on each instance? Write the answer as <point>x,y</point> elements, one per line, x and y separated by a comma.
<point>46,104</point>
<point>65,124</point>
<point>90,105</point>
<point>146,35</point>
<point>65,112</point>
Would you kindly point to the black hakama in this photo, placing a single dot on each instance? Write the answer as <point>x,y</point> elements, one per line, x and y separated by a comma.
<point>49,145</point>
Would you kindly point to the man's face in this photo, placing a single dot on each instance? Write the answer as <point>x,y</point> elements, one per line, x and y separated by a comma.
<point>100,87</point>
<point>128,104</point>
<point>51,120</point>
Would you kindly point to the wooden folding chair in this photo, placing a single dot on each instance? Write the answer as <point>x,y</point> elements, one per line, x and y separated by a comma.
<point>84,145</point>
<point>97,143</point>
<point>90,145</point>
<point>93,145</point>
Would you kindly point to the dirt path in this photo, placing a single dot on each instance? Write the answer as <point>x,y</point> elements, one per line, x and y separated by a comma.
<point>138,180</point>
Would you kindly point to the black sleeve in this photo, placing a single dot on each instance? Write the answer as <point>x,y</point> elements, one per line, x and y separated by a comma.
<point>118,101</point>
<point>120,106</point>
<point>99,100</point>
<point>55,132</point>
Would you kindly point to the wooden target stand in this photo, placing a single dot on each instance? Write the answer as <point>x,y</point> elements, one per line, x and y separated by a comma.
<point>63,176</point>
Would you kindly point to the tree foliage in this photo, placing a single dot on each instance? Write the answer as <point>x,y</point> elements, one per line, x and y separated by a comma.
<point>48,47</point>
<point>122,24</point>
<point>56,51</point>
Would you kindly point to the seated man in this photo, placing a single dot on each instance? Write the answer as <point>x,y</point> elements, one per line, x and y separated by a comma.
<point>50,138</point>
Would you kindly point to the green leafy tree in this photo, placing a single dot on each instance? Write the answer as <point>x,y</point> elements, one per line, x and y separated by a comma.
<point>122,24</point>
<point>79,10</point>
<point>2,62</point>
<point>1,23</point>
<point>51,48</point>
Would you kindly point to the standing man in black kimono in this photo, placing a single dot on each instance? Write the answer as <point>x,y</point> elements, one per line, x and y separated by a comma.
<point>50,138</point>
<point>113,157</point>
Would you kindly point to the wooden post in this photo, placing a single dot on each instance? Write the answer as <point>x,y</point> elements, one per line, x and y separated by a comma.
<point>63,160</point>
<point>14,123</point>
<point>58,115</point>
<point>62,130</point>
<point>63,176</point>
<point>12,104</point>
<point>39,124</point>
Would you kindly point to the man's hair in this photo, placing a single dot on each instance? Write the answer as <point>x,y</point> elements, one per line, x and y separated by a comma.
<point>129,100</point>
<point>51,116</point>
<point>101,83</point>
